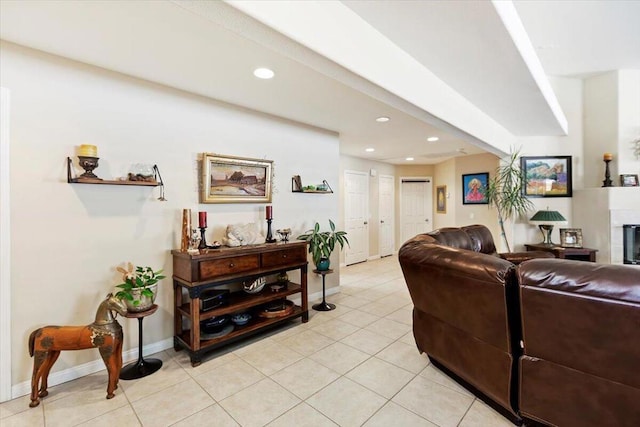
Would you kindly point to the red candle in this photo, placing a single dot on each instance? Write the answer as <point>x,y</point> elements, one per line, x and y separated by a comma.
<point>202,219</point>
<point>269,212</point>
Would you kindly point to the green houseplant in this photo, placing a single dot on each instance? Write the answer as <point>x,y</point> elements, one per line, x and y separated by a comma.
<point>322,243</point>
<point>505,192</point>
<point>140,287</point>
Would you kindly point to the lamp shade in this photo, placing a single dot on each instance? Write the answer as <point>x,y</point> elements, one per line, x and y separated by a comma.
<point>547,217</point>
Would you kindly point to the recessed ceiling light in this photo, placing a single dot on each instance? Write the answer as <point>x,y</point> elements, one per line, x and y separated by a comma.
<point>433,139</point>
<point>409,158</point>
<point>382,119</point>
<point>263,73</point>
<point>370,150</point>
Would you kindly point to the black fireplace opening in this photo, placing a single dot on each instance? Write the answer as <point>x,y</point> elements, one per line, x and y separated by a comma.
<point>631,243</point>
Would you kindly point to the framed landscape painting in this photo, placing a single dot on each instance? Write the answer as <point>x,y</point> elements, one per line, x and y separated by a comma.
<point>227,179</point>
<point>474,188</point>
<point>547,176</point>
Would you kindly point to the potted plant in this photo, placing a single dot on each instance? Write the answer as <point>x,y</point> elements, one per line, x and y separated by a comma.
<point>505,192</point>
<point>322,243</point>
<point>140,287</point>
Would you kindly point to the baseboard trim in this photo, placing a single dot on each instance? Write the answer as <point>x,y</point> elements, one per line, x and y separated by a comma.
<point>73,373</point>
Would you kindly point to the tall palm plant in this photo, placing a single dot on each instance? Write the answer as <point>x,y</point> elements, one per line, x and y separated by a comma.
<point>505,192</point>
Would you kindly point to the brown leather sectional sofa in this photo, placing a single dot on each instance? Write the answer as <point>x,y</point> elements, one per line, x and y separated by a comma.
<point>544,340</point>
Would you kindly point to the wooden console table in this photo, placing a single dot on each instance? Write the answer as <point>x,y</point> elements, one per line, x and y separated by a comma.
<point>211,268</point>
<point>579,254</point>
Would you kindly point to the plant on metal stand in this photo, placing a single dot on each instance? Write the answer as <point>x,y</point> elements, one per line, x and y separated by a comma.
<point>322,243</point>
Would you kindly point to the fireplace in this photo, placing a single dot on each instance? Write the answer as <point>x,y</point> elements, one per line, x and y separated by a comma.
<point>631,243</point>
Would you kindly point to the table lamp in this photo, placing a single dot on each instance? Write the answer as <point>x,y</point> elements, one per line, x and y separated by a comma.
<point>546,220</point>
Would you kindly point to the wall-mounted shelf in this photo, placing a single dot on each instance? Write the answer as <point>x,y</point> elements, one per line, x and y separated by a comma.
<point>296,187</point>
<point>79,180</point>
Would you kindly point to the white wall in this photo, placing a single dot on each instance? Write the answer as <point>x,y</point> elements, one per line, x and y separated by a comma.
<point>68,239</point>
<point>600,126</point>
<point>569,92</point>
<point>628,122</point>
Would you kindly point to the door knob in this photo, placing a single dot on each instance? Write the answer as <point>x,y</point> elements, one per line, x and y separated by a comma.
<point>381,222</point>
<point>365,223</point>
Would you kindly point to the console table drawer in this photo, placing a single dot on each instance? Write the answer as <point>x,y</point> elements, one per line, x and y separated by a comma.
<point>283,257</point>
<point>221,267</point>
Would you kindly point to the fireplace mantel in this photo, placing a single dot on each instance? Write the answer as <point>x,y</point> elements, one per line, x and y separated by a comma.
<point>601,213</point>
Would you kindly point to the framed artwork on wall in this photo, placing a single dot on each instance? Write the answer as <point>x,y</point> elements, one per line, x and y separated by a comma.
<point>441,199</point>
<point>547,176</point>
<point>227,179</point>
<point>474,188</point>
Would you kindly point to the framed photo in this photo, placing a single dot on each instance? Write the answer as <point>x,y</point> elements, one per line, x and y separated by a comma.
<point>547,176</point>
<point>629,180</point>
<point>227,179</point>
<point>474,188</point>
<point>571,237</point>
<point>441,199</point>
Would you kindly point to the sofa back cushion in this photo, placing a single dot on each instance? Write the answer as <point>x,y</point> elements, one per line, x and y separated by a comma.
<point>453,237</point>
<point>582,315</point>
<point>481,238</point>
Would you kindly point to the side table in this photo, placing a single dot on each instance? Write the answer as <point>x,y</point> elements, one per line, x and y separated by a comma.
<point>142,367</point>
<point>324,305</point>
<point>577,254</point>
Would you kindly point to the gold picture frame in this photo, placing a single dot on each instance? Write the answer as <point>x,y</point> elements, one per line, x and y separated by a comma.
<point>229,179</point>
<point>571,237</point>
<point>441,199</point>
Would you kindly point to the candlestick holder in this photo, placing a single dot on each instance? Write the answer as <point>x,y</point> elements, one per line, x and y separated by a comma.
<point>607,175</point>
<point>203,241</point>
<point>269,238</point>
<point>88,164</point>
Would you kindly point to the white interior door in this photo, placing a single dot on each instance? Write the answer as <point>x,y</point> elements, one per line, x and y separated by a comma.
<point>386,207</point>
<point>416,206</point>
<point>356,205</point>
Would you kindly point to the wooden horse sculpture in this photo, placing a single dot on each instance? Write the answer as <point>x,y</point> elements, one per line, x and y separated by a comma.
<point>105,333</point>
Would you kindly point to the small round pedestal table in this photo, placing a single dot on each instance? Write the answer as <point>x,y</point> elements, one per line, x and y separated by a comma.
<point>142,367</point>
<point>324,305</point>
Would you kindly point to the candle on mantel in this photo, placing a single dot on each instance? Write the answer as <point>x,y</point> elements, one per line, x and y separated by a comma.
<point>202,219</point>
<point>269,212</point>
<point>87,150</point>
<point>607,156</point>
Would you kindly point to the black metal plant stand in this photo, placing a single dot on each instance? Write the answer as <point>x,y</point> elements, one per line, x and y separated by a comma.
<point>142,367</point>
<point>324,305</point>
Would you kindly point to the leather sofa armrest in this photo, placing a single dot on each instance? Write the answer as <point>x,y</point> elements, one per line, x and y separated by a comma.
<point>451,284</point>
<point>518,257</point>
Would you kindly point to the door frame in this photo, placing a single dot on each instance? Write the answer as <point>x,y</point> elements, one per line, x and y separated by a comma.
<point>393,216</point>
<point>412,178</point>
<point>5,251</point>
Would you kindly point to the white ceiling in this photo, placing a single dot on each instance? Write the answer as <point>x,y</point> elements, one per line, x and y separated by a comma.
<point>211,48</point>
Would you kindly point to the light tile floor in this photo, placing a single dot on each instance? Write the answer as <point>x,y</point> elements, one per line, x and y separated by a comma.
<point>355,366</point>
